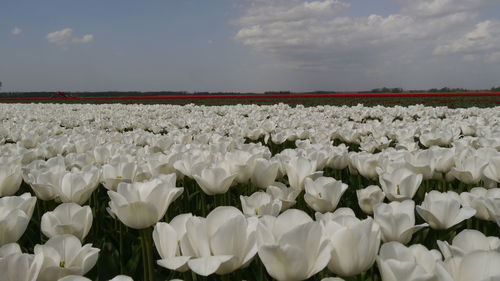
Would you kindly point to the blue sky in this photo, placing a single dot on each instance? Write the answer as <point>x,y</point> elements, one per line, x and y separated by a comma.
<point>248,45</point>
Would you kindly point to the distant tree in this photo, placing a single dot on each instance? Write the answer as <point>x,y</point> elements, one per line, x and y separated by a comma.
<point>494,89</point>
<point>0,85</point>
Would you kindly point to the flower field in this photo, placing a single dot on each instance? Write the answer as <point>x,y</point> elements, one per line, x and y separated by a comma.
<point>249,192</point>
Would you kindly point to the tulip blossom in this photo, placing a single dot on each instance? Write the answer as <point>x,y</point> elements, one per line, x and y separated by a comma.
<point>401,184</point>
<point>365,164</point>
<point>443,210</point>
<point>222,243</point>
<point>213,181</point>
<point>77,186</point>
<point>67,218</point>
<point>468,241</point>
<point>260,203</point>
<point>10,176</point>
<point>492,170</point>
<point>142,204</point>
<point>15,214</point>
<point>117,171</point>
<point>482,200</point>
<point>292,249</point>
<point>478,265</point>
<point>369,197</point>
<point>354,243</point>
<point>64,255</point>
<point>323,194</point>
<point>469,170</point>
<point>264,172</point>
<point>285,194</point>
<point>415,263</point>
<point>45,179</point>
<point>17,266</point>
<point>397,221</point>
<point>299,168</point>
<point>166,238</point>
<point>422,162</point>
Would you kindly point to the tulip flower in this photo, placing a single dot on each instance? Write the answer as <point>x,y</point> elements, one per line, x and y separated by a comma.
<point>77,186</point>
<point>482,200</point>
<point>117,171</point>
<point>297,254</point>
<point>469,170</point>
<point>364,163</point>
<point>17,266</point>
<point>299,168</point>
<point>422,162</point>
<point>401,184</point>
<point>142,204</point>
<point>260,203</point>
<point>221,243</point>
<point>166,239</point>
<point>264,172</point>
<point>478,265</point>
<point>442,210</point>
<point>468,241</point>
<point>369,197</point>
<point>15,214</point>
<point>415,263</point>
<point>492,170</point>
<point>323,194</point>
<point>64,255</point>
<point>286,195</point>
<point>241,164</point>
<point>213,181</point>
<point>397,221</point>
<point>354,243</point>
<point>67,218</point>
<point>10,176</point>
<point>45,180</point>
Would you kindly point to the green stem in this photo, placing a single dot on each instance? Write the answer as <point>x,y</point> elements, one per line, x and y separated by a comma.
<point>148,254</point>
<point>122,266</point>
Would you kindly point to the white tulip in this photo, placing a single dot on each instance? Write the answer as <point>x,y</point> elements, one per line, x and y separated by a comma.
<point>15,214</point>
<point>401,184</point>
<point>443,210</point>
<point>397,221</point>
<point>260,203</point>
<point>77,186</point>
<point>369,197</point>
<point>323,194</point>
<point>16,266</point>
<point>141,205</point>
<point>468,241</point>
<point>64,255</point>
<point>286,195</point>
<point>214,180</point>
<point>67,218</point>
<point>415,263</point>
<point>299,168</point>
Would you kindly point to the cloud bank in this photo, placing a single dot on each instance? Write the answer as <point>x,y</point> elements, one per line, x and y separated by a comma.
<point>321,36</point>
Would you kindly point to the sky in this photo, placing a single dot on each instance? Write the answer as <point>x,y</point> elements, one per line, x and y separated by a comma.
<point>248,45</point>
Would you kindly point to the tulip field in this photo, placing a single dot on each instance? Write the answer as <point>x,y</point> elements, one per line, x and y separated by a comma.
<point>249,192</point>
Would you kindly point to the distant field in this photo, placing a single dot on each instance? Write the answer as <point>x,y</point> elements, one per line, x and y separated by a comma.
<point>453,100</point>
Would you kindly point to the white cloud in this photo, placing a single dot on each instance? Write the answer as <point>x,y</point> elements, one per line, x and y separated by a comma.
<point>484,37</point>
<point>16,30</point>
<point>66,37</point>
<point>316,35</point>
<point>434,8</point>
